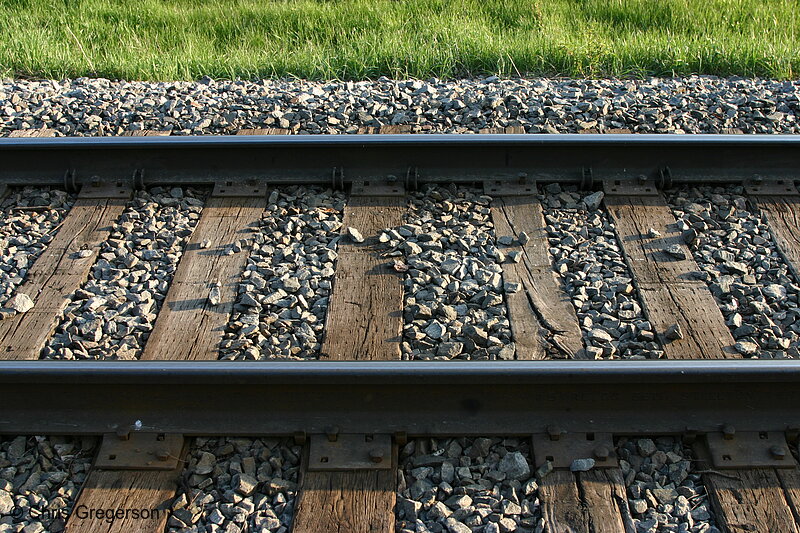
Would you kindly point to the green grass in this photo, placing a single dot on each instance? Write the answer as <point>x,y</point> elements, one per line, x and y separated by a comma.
<point>356,39</point>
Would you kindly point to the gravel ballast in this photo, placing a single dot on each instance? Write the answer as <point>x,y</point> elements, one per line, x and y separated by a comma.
<point>466,485</point>
<point>283,296</point>
<point>112,314</point>
<point>732,244</point>
<point>454,306</point>
<point>697,104</point>
<point>664,494</point>
<point>40,478</point>
<point>29,219</point>
<point>233,485</point>
<point>587,256</point>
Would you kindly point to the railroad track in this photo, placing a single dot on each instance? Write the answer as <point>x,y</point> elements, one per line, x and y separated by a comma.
<point>519,419</point>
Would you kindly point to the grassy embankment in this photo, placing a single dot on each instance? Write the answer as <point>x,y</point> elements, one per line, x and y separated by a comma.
<point>355,39</point>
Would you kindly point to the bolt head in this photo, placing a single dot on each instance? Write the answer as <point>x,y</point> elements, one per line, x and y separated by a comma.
<point>601,453</point>
<point>554,432</point>
<point>376,455</point>
<point>777,451</point>
<point>728,431</point>
<point>332,433</point>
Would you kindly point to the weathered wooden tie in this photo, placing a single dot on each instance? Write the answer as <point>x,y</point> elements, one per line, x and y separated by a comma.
<point>671,295</point>
<point>364,322</point>
<point>42,132</point>
<point>367,298</point>
<point>61,270</point>
<point>190,325</point>
<point>364,314</point>
<point>264,131</point>
<point>783,215</point>
<point>541,309</point>
<point>146,133</point>
<point>585,502</point>
<point>386,129</point>
<point>141,496</point>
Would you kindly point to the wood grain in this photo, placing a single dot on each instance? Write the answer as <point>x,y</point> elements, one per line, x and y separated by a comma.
<point>586,502</point>
<point>669,292</point>
<point>542,305</point>
<point>633,218</point>
<point>146,133</point>
<point>690,305</point>
<point>125,491</point>
<point>518,130</point>
<point>188,326</point>
<point>56,274</point>
<point>753,503</point>
<point>563,510</point>
<point>364,323</point>
<point>365,312</point>
<point>346,502</point>
<point>264,131</point>
<point>385,129</point>
<point>41,132</point>
<point>790,482</point>
<point>603,492</point>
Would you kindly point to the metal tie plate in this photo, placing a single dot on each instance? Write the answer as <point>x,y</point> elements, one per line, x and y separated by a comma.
<point>509,188</point>
<point>238,189</point>
<point>102,189</point>
<point>640,186</point>
<point>561,448</point>
<point>140,451</point>
<point>378,188</point>
<point>750,449</point>
<point>770,187</point>
<point>350,451</point>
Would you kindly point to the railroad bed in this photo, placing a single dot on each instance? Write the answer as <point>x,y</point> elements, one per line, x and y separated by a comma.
<point>590,333</point>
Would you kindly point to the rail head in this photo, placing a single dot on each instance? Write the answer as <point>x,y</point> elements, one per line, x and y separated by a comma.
<point>491,398</point>
<point>292,159</point>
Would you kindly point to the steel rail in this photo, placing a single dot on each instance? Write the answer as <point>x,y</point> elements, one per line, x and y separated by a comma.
<point>416,398</point>
<point>283,159</point>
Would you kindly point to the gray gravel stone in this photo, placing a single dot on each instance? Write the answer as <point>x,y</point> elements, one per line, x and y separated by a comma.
<point>114,311</point>
<point>582,465</point>
<point>454,303</point>
<point>354,234</point>
<point>237,484</point>
<point>40,478</point>
<point>515,466</point>
<point>20,302</point>
<point>696,104</point>
<point>283,295</point>
<point>460,485</point>
<point>675,251</point>
<point>593,201</point>
<point>674,332</point>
